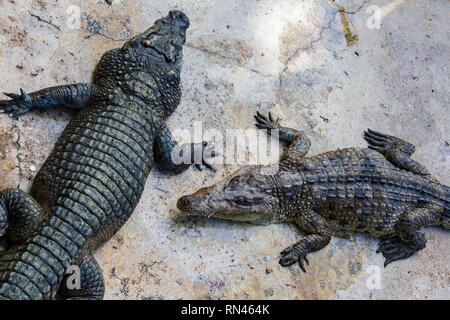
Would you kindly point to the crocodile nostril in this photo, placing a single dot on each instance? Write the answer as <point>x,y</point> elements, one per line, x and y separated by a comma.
<point>179,18</point>
<point>183,203</point>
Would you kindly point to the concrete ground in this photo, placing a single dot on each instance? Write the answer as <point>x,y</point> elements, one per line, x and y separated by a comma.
<point>330,68</point>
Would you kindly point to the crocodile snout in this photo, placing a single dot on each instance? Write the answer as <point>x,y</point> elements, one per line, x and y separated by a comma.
<point>197,203</point>
<point>184,203</point>
<point>179,18</point>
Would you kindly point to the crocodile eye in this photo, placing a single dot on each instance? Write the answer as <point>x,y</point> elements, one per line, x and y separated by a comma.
<point>146,43</point>
<point>233,182</point>
<point>242,200</point>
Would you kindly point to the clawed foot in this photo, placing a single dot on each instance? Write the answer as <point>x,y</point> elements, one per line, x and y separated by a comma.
<point>394,249</point>
<point>20,104</point>
<point>266,123</point>
<point>207,153</point>
<point>292,255</point>
<point>383,142</point>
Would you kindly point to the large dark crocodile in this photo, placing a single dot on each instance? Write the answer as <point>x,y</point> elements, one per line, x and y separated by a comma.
<point>93,179</point>
<point>382,192</point>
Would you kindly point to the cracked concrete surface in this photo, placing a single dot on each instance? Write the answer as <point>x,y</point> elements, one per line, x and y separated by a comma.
<point>316,64</point>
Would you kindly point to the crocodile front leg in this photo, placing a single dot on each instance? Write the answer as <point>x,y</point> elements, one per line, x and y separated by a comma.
<point>319,237</point>
<point>90,283</point>
<point>299,143</point>
<point>177,158</point>
<point>74,95</point>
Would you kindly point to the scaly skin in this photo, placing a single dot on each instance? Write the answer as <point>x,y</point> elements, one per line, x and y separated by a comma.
<point>382,192</point>
<point>93,179</point>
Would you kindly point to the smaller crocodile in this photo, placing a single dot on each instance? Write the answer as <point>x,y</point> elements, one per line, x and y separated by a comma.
<point>378,190</point>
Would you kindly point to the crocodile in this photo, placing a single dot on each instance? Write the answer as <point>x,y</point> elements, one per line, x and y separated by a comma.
<point>93,179</point>
<point>377,190</point>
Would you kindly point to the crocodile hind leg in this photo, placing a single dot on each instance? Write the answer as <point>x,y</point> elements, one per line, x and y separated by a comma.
<point>396,151</point>
<point>20,215</point>
<point>176,158</point>
<point>84,283</point>
<point>409,239</point>
<point>319,236</point>
<point>299,143</point>
<point>73,95</point>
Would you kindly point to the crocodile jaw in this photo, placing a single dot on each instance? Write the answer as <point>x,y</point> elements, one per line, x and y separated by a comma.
<point>246,201</point>
<point>193,205</point>
<point>163,40</point>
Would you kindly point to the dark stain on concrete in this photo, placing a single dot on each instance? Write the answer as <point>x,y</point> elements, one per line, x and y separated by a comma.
<point>350,33</point>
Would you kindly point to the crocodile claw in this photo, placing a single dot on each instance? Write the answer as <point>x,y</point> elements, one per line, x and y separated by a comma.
<point>292,255</point>
<point>377,141</point>
<point>264,122</point>
<point>382,143</point>
<point>19,104</point>
<point>12,95</point>
<point>394,249</point>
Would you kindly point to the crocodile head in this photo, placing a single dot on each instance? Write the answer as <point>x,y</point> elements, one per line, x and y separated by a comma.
<point>164,40</point>
<point>244,196</point>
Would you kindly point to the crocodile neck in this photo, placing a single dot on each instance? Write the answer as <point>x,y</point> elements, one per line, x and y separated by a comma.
<point>140,79</point>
